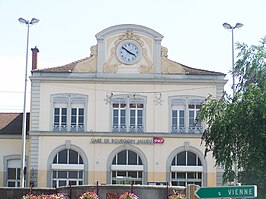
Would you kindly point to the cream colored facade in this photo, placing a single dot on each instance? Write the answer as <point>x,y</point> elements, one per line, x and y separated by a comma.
<point>10,153</point>
<point>95,87</point>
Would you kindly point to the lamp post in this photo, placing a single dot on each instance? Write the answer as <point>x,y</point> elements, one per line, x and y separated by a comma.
<point>229,27</point>
<point>23,154</point>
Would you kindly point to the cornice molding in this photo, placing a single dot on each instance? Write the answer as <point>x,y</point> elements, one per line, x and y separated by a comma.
<point>122,27</point>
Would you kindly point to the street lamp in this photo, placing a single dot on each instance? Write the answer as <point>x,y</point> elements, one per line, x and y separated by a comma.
<point>229,27</point>
<point>23,155</point>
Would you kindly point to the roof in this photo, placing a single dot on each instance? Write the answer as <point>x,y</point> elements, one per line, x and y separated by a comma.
<point>196,71</point>
<point>70,67</point>
<point>63,69</point>
<point>11,123</point>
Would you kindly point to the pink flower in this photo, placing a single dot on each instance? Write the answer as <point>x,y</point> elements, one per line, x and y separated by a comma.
<point>89,195</point>
<point>128,195</point>
<point>177,196</point>
<point>44,196</point>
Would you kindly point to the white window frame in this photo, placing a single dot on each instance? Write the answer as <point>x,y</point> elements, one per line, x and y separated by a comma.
<point>178,128</point>
<point>139,107</point>
<point>60,126</point>
<point>14,164</point>
<point>186,169</point>
<point>78,125</point>
<point>67,180</point>
<point>136,126</point>
<point>182,104</point>
<point>119,126</point>
<point>6,161</point>
<point>67,167</point>
<point>69,102</point>
<point>197,127</point>
<point>127,168</point>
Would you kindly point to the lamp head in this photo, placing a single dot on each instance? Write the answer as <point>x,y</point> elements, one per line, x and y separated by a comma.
<point>238,25</point>
<point>227,26</point>
<point>21,20</point>
<point>34,20</point>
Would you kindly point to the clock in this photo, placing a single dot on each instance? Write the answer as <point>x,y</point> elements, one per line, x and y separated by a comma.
<point>128,52</point>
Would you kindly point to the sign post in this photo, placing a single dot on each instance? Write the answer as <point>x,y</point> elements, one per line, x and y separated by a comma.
<point>191,189</point>
<point>248,191</point>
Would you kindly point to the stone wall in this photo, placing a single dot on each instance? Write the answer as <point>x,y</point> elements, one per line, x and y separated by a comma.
<point>104,191</point>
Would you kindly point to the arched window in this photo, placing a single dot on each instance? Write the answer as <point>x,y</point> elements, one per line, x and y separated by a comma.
<point>127,167</point>
<point>13,173</point>
<point>186,168</point>
<point>67,169</point>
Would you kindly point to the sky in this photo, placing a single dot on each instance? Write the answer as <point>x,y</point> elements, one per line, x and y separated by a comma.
<point>192,30</point>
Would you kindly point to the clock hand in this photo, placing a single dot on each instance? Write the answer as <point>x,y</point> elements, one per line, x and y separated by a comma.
<point>128,51</point>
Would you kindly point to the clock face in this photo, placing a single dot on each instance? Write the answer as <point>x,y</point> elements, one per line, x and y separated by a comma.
<point>128,52</point>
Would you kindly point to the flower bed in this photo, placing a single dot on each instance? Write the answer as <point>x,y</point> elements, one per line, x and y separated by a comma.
<point>128,195</point>
<point>44,196</point>
<point>89,195</point>
<point>177,196</point>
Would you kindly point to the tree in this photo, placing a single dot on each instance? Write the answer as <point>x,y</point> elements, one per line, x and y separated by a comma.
<point>236,125</point>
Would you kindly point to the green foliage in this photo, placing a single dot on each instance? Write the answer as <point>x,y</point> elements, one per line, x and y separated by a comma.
<point>236,127</point>
<point>250,66</point>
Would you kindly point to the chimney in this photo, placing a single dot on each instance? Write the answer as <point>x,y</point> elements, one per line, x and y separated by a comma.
<point>34,57</point>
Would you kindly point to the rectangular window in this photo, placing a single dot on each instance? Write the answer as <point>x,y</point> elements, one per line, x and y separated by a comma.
<point>192,116</point>
<point>73,174</point>
<point>184,115</point>
<point>132,158</point>
<point>66,178</point>
<point>62,157</point>
<point>62,183</point>
<point>127,115</point>
<point>119,117</point>
<point>191,159</point>
<point>60,119</point>
<point>194,125</point>
<point>62,174</point>
<point>178,121</point>
<point>186,178</point>
<point>132,174</point>
<point>73,157</point>
<point>13,177</point>
<point>181,158</point>
<point>127,177</point>
<point>181,175</point>
<point>122,158</point>
<point>132,120</point>
<point>77,119</point>
<point>136,117</point>
<point>69,113</point>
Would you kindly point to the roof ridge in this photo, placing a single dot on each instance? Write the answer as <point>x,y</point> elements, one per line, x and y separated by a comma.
<point>71,66</point>
<point>192,68</point>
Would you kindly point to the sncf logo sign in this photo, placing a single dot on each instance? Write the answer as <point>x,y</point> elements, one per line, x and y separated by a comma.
<point>157,140</point>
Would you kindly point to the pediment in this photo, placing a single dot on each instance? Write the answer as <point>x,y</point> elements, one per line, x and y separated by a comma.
<point>104,56</point>
<point>147,41</point>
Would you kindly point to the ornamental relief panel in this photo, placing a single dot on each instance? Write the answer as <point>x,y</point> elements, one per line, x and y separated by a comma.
<point>88,65</point>
<point>169,66</point>
<point>112,63</point>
